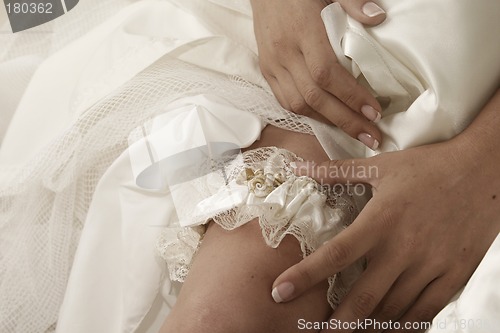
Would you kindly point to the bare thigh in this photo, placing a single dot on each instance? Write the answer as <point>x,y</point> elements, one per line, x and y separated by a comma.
<point>228,288</point>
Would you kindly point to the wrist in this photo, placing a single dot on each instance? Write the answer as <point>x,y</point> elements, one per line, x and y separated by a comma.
<point>479,142</point>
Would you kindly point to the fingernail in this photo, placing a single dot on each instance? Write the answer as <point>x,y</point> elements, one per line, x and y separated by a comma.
<point>371,9</point>
<point>371,113</point>
<point>368,140</point>
<point>282,292</point>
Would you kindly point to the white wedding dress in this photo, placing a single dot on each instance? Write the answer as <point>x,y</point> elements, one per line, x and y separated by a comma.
<point>94,106</point>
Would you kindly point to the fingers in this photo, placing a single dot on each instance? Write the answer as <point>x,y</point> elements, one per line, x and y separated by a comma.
<point>366,12</point>
<point>325,72</point>
<point>299,64</point>
<point>337,111</point>
<point>366,293</point>
<point>297,91</point>
<point>294,100</point>
<point>433,299</point>
<point>402,295</point>
<point>275,87</point>
<point>340,252</point>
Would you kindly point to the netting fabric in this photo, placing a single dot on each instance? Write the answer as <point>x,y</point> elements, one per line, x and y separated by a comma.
<point>21,53</point>
<point>43,205</point>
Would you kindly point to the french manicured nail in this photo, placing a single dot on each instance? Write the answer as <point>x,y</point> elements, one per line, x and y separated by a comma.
<point>371,9</point>
<point>282,292</point>
<point>371,113</point>
<point>368,140</point>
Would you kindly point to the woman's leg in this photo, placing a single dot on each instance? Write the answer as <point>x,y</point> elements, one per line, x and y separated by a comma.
<point>228,288</point>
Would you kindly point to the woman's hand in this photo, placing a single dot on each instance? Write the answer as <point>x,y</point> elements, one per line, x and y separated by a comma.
<point>434,213</point>
<point>299,64</point>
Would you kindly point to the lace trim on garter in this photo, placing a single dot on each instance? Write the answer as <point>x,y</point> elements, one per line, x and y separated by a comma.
<point>284,204</point>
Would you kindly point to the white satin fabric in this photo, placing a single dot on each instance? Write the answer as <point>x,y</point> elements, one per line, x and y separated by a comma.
<point>436,61</point>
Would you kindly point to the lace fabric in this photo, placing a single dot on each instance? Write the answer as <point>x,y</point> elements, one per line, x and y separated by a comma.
<point>283,203</point>
<point>44,203</point>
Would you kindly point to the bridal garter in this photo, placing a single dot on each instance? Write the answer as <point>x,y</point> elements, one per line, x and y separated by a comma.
<point>285,204</point>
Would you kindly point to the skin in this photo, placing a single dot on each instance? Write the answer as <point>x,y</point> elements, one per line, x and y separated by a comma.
<point>300,66</point>
<point>398,234</point>
<point>216,288</point>
<point>424,232</point>
<point>227,286</point>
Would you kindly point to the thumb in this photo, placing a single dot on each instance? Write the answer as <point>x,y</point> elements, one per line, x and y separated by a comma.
<point>339,171</point>
<point>363,11</point>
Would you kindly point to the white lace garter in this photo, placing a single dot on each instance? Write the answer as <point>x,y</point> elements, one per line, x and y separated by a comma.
<point>285,204</point>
